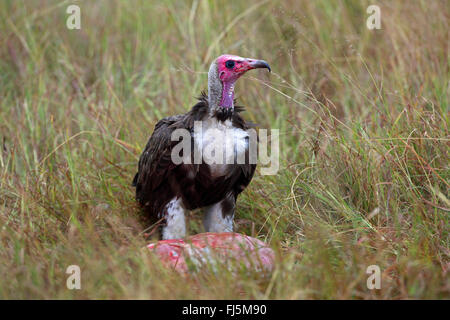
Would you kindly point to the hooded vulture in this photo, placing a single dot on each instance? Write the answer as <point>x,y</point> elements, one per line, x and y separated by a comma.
<point>167,189</point>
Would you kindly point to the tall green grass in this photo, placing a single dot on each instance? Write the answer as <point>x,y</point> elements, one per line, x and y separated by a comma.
<point>363,120</point>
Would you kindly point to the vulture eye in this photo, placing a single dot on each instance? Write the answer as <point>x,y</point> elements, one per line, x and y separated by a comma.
<point>229,64</point>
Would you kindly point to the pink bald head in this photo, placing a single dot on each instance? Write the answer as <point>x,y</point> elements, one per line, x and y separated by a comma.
<point>229,69</point>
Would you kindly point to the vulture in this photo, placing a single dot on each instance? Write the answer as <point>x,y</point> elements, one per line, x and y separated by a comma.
<point>166,189</point>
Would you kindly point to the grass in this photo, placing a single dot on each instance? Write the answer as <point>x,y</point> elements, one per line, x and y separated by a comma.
<point>364,141</point>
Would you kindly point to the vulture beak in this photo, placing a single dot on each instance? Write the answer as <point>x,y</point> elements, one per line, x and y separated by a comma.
<point>254,64</point>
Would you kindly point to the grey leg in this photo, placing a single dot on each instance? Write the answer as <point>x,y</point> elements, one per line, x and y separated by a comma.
<point>175,227</point>
<point>219,216</point>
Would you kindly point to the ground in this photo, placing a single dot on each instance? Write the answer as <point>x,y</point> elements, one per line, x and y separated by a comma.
<point>363,122</point>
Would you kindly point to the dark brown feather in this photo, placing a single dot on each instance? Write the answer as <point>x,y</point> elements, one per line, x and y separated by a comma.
<point>159,180</point>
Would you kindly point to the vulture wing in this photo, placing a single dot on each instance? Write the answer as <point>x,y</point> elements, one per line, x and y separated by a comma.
<point>155,162</point>
<point>156,170</point>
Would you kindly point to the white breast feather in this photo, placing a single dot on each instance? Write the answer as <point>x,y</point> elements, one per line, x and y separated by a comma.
<point>221,144</point>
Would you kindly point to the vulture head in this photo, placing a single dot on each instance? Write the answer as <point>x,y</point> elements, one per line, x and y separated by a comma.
<point>222,75</point>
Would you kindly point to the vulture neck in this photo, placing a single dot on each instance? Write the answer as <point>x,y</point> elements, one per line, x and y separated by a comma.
<point>220,95</point>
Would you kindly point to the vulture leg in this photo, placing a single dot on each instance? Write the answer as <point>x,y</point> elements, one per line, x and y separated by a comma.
<point>175,226</point>
<point>219,216</point>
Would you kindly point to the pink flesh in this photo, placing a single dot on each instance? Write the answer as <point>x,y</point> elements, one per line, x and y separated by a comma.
<point>222,247</point>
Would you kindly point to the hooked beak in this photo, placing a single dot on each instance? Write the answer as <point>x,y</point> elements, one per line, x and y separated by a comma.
<point>254,64</point>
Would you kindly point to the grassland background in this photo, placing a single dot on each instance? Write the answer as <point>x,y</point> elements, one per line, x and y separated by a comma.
<point>363,119</point>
